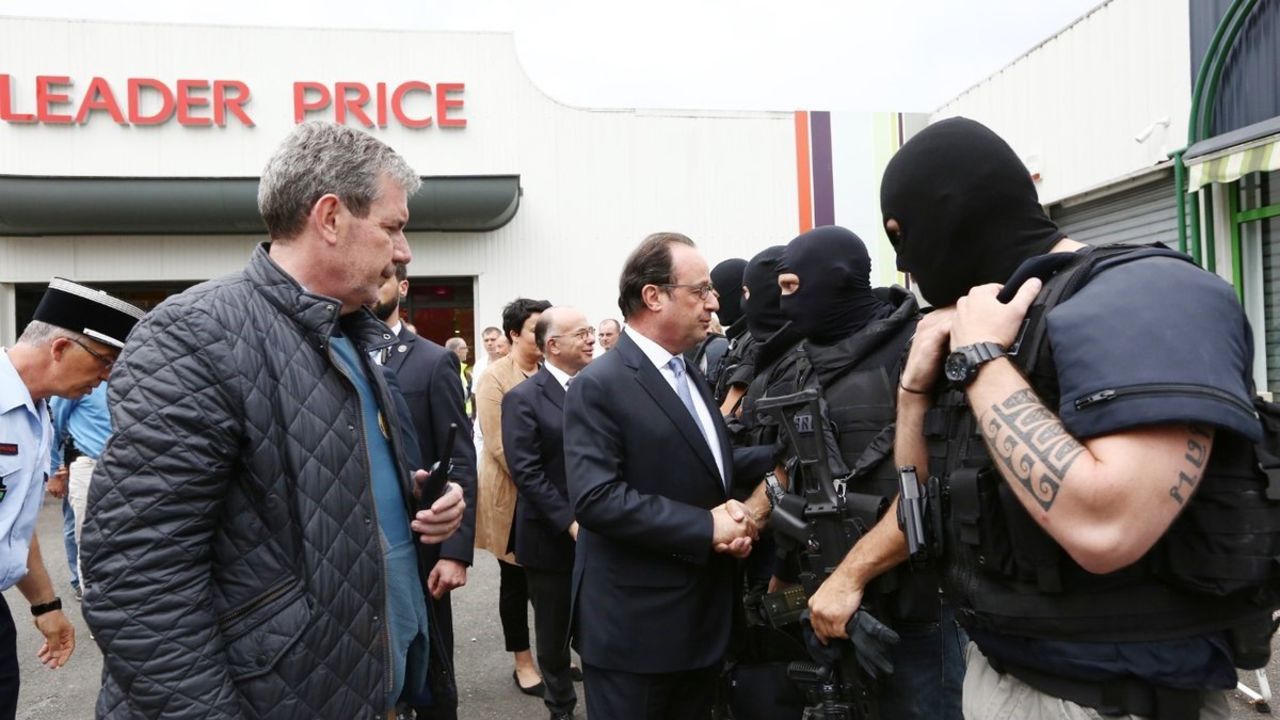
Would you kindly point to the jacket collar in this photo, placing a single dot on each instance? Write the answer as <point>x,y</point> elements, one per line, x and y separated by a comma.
<point>656,386</point>
<point>851,350</point>
<point>551,386</point>
<point>316,314</point>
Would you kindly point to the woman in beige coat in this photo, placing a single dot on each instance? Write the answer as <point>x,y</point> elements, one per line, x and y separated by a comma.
<point>496,499</point>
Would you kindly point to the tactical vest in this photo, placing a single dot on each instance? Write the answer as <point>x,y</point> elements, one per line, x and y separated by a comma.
<point>778,376</point>
<point>742,346</point>
<point>860,390</point>
<point>710,352</point>
<point>1216,568</point>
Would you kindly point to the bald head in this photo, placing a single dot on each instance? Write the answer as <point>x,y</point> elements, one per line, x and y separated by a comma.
<point>565,338</point>
<point>457,346</point>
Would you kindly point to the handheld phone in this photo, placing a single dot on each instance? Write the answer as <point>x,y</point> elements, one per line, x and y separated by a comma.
<point>440,471</point>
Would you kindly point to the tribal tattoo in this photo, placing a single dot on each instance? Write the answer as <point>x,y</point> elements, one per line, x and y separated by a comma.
<point>1032,444</point>
<point>1197,455</point>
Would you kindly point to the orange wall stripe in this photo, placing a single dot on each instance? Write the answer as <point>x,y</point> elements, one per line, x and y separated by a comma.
<point>804,175</point>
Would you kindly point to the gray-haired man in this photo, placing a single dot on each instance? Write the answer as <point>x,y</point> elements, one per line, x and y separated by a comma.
<point>249,543</point>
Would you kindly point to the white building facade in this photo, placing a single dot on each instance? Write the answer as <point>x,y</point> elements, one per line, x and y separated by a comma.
<point>124,147</point>
<point>1100,111</point>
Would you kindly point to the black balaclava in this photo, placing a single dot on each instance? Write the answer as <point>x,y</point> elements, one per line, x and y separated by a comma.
<point>727,280</point>
<point>834,299</point>
<point>764,317</point>
<point>967,210</point>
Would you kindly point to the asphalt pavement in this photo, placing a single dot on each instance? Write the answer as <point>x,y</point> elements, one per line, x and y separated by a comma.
<point>486,690</point>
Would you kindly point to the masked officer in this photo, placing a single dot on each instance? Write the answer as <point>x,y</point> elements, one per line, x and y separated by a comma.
<point>1106,536</point>
<point>854,342</point>
<point>66,350</point>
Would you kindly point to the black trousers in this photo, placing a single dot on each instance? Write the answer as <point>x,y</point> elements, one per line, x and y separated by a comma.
<point>621,695</point>
<point>8,664</point>
<point>550,591</point>
<point>513,598</point>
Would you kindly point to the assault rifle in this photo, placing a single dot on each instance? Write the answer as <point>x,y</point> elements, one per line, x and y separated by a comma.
<point>821,521</point>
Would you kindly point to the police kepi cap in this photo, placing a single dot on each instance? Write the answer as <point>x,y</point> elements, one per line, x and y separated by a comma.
<point>82,309</point>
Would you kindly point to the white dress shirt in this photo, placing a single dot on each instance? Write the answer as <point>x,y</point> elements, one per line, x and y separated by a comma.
<point>561,376</point>
<point>659,356</point>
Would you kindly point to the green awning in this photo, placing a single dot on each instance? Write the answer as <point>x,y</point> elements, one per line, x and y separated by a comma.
<point>1233,165</point>
<point>199,206</point>
<point>1228,157</point>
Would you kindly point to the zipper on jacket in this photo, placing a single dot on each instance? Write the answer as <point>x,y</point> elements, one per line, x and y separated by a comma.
<point>1110,394</point>
<point>273,594</point>
<point>382,556</point>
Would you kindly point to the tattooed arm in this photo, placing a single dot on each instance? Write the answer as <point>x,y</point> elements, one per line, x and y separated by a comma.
<point>1105,500</point>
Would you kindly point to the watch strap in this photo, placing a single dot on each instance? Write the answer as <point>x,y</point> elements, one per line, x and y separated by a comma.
<point>773,489</point>
<point>42,608</point>
<point>983,352</point>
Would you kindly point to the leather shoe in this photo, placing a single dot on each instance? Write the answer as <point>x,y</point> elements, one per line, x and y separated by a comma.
<point>575,672</point>
<point>534,690</point>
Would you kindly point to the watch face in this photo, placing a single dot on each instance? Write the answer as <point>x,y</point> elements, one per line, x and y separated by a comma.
<point>957,367</point>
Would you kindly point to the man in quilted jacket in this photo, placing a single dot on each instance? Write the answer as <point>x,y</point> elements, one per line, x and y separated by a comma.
<point>251,539</point>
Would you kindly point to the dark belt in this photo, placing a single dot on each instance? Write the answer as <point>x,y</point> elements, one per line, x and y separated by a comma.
<point>69,451</point>
<point>1123,696</point>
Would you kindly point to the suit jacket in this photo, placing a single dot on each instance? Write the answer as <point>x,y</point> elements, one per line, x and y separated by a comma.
<point>428,376</point>
<point>650,596</point>
<point>533,442</point>
<point>497,503</point>
<point>440,672</point>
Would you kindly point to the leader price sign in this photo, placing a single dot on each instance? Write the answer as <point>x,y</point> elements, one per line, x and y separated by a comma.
<point>59,100</point>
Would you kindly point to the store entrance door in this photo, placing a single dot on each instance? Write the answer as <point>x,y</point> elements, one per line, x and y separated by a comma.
<point>440,308</point>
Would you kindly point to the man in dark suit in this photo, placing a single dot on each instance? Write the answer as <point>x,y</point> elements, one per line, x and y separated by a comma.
<point>428,379</point>
<point>648,463</point>
<point>545,531</point>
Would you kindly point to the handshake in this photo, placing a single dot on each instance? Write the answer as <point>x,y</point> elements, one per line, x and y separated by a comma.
<point>734,529</point>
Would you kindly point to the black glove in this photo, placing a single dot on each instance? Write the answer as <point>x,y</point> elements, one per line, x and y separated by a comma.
<point>871,640</point>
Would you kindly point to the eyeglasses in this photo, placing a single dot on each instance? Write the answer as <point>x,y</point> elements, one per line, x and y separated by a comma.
<point>702,290</point>
<point>103,360</point>
<point>582,334</point>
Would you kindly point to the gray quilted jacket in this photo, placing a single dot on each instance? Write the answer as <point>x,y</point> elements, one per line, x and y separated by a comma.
<point>231,545</point>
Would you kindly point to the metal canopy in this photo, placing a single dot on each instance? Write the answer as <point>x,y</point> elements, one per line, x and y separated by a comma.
<point>1229,157</point>
<point>191,206</point>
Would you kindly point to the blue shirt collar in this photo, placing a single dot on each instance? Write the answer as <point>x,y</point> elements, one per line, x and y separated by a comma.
<point>13,391</point>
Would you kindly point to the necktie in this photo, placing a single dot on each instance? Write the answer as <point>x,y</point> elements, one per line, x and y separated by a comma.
<point>682,389</point>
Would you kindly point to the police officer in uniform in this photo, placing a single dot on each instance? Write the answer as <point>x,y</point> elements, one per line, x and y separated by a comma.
<point>66,350</point>
<point>1093,454</point>
<point>854,342</point>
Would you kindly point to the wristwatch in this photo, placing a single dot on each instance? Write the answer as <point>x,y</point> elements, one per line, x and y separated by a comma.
<point>42,608</point>
<point>962,365</point>
<point>773,489</point>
